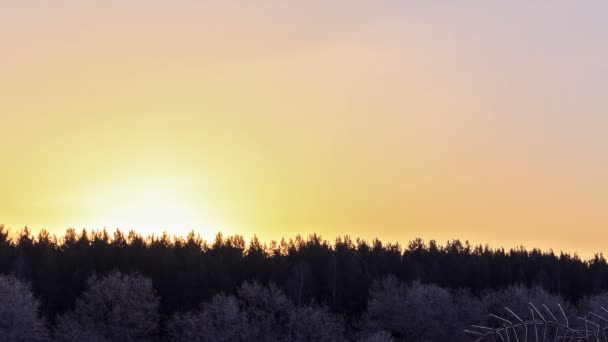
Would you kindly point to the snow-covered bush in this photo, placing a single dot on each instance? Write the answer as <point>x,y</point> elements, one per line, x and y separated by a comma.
<point>19,320</point>
<point>315,323</point>
<point>256,313</point>
<point>115,307</point>
<point>517,299</point>
<point>418,312</point>
<point>221,320</point>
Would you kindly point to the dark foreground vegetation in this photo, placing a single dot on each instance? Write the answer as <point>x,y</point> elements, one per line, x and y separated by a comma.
<point>97,286</point>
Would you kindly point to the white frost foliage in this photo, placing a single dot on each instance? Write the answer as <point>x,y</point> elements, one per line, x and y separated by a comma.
<point>115,307</point>
<point>221,320</point>
<point>386,305</point>
<point>594,303</point>
<point>315,323</point>
<point>19,320</point>
<point>517,299</point>
<point>266,311</point>
<point>378,336</point>
<point>418,312</point>
<point>469,311</point>
<point>257,313</point>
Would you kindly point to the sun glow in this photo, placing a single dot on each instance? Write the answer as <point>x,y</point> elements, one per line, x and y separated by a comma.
<point>152,208</point>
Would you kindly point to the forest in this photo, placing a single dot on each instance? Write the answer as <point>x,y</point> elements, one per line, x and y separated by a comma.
<point>102,286</point>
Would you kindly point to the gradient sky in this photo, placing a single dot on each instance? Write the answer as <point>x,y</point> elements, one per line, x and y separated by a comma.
<point>480,120</point>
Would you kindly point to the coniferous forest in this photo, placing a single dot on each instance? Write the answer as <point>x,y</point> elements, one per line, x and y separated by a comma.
<point>97,285</point>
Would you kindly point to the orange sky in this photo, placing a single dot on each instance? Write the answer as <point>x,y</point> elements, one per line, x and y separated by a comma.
<point>476,121</point>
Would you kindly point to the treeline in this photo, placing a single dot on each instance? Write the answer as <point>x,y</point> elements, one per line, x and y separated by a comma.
<point>188,271</point>
<point>125,308</point>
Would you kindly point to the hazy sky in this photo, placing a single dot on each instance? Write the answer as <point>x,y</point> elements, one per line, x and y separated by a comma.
<point>480,120</point>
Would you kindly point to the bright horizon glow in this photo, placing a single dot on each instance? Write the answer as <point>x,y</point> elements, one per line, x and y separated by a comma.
<point>479,121</point>
<point>151,209</point>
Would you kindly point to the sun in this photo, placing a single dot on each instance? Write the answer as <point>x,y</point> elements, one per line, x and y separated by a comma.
<point>157,208</point>
<point>153,208</point>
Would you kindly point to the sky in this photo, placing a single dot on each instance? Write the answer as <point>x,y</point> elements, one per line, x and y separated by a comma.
<point>479,120</point>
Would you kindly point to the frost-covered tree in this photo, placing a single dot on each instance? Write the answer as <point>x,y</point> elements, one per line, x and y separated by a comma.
<point>19,320</point>
<point>378,336</point>
<point>516,303</point>
<point>220,320</point>
<point>116,307</point>
<point>257,313</point>
<point>593,303</point>
<point>266,311</point>
<point>315,323</point>
<point>418,312</point>
<point>517,299</point>
<point>386,305</point>
<point>469,310</point>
